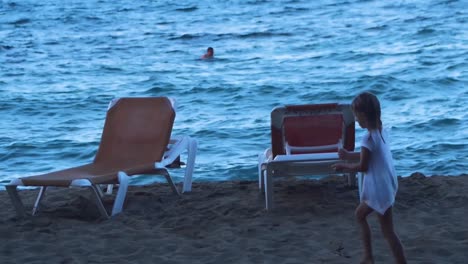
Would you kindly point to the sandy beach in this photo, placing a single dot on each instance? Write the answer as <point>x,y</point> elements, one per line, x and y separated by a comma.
<point>225,222</point>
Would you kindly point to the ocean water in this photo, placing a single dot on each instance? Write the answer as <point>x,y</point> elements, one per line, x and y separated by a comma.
<point>61,62</point>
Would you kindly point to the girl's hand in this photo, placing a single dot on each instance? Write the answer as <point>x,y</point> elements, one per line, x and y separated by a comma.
<point>343,154</point>
<point>339,166</point>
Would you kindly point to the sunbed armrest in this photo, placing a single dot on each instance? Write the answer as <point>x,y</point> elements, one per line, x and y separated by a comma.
<point>176,146</point>
<point>16,182</point>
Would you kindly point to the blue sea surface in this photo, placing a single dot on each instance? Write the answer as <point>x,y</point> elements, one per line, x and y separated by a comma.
<point>61,62</point>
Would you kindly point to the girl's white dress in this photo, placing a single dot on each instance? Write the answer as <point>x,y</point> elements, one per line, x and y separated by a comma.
<point>379,183</point>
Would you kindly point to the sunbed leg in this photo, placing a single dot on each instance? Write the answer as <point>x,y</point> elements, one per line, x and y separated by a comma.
<point>352,179</point>
<point>121,193</point>
<point>268,190</point>
<point>16,200</point>
<point>262,181</point>
<point>171,183</point>
<point>99,190</point>
<point>39,199</point>
<point>98,200</point>
<point>110,187</point>
<point>260,176</point>
<point>191,153</point>
<point>262,160</point>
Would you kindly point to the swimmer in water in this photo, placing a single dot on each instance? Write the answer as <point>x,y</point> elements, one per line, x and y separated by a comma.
<point>209,53</point>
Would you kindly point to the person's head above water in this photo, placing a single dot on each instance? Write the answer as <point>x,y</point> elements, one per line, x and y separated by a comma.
<point>209,53</point>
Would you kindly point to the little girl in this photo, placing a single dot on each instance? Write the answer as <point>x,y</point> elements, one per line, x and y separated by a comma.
<point>379,183</point>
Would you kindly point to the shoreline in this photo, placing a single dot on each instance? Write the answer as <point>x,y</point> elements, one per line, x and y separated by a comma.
<point>313,222</point>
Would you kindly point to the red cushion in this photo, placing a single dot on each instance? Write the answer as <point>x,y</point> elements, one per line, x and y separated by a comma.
<point>316,130</point>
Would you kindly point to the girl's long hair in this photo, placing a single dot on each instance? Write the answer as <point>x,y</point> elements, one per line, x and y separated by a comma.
<point>368,104</point>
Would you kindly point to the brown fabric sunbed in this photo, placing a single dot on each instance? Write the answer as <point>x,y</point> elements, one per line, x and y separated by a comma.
<point>136,139</point>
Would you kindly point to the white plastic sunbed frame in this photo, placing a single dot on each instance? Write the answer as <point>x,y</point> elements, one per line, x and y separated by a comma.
<point>298,164</point>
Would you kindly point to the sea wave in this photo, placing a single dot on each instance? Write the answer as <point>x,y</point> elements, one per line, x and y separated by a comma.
<point>64,62</point>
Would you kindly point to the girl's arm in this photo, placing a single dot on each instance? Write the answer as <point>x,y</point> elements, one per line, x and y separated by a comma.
<point>360,166</point>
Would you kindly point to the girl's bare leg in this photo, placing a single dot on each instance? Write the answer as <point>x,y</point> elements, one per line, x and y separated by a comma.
<point>386,224</point>
<point>362,211</point>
